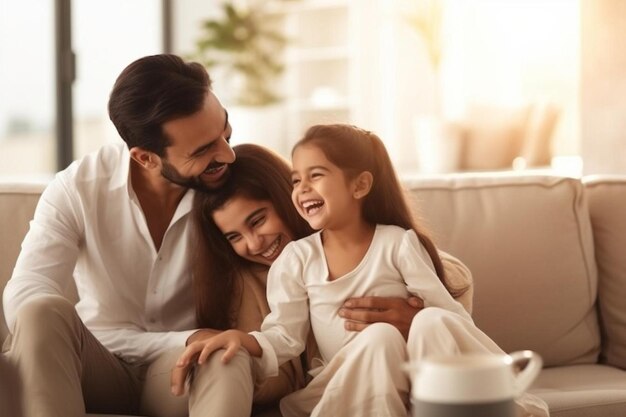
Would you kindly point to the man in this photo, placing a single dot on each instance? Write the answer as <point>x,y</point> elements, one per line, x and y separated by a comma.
<point>117,223</point>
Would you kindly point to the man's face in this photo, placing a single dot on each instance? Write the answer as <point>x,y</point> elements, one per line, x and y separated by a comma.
<point>199,153</point>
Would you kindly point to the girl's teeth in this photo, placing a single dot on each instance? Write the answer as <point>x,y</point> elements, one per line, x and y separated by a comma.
<point>312,207</point>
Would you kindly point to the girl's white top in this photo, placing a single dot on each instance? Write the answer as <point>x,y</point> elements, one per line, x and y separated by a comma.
<point>300,292</point>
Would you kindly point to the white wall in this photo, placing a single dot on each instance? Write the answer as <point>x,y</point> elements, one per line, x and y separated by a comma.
<point>513,52</point>
<point>603,86</point>
<point>499,52</point>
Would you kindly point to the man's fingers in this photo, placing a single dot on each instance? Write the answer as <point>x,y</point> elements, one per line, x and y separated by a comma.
<point>399,312</point>
<point>380,303</point>
<point>355,326</point>
<point>383,303</point>
<point>416,302</point>
<point>363,316</point>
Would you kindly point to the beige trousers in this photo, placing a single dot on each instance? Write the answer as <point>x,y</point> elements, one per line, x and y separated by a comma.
<point>10,390</point>
<point>66,372</point>
<point>365,377</point>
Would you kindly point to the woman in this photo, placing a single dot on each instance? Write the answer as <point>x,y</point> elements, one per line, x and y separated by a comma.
<point>256,220</point>
<point>229,286</point>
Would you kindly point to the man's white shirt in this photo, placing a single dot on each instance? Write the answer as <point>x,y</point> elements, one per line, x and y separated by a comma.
<point>89,226</point>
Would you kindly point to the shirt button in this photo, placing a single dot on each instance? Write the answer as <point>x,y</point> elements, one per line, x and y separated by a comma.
<point>160,258</point>
<point>152,320</point>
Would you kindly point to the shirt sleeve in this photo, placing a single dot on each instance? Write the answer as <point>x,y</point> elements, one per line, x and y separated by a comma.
<point>49,251</point>
<point>252,310</point>
<point>284,331</point>
<point>139,345</point>
<point>46,264</point>
<point>419,274</point>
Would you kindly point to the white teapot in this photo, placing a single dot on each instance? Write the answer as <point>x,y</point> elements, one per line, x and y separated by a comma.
<point>474,385</point>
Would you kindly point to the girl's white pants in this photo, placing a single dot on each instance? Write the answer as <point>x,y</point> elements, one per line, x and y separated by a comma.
<point>365,378</point>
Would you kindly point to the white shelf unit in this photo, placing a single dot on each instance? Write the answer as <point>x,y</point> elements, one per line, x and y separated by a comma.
<point>320,61</point>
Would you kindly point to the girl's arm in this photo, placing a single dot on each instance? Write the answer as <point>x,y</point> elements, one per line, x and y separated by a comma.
<point>419,274</point>
<point>284,330</point>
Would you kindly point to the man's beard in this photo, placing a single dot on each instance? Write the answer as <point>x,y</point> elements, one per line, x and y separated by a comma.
<point>169,172</point>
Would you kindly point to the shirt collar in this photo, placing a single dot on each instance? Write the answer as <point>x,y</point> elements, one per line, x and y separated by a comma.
<point>121,176</point>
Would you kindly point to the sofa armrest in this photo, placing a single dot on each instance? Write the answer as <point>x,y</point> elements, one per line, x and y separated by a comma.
<point>607,207</point>
<point>17,205</point>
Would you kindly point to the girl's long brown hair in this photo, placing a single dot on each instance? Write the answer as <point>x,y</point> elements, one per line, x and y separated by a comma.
<point>258,174</point>
<point>355,150</point>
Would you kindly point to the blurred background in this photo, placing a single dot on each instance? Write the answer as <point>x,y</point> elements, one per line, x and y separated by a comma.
<point>449,85</point>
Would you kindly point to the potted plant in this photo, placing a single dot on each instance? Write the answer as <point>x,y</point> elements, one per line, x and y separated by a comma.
<point>242,44</point>
<point>243,47</point>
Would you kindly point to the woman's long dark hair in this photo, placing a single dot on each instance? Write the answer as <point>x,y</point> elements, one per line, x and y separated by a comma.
<point>257,174</point>
<point>354,151</point>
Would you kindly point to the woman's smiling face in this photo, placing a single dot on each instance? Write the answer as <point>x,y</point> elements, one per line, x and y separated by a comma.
<point>253,228</point>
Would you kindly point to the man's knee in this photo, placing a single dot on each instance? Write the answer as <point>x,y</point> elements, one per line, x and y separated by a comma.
<point>43,316</point>
<point>44,308</point>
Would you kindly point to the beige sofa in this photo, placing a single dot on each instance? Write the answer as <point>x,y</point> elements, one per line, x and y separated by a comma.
<point>548,255</point>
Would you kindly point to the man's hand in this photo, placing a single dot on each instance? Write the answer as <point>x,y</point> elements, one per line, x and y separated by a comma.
<point>399,312</point>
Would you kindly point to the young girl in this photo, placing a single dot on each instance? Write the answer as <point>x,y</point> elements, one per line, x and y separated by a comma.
<point>367,244</point>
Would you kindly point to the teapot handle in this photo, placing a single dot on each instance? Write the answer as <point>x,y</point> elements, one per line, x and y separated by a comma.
<point>526,377</point>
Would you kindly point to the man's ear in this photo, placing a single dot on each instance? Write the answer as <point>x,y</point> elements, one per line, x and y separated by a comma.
<point>362,184</point>
<point>146,159</point>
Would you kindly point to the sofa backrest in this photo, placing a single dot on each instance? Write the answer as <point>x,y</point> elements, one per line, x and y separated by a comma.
<point>528,242</point>
<point>607,206</point>
<point>17,205</point>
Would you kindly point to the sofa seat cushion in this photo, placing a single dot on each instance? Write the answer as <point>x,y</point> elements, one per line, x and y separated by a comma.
<point>607,206</point>
<point>582,391</point>
<point>529,245</point>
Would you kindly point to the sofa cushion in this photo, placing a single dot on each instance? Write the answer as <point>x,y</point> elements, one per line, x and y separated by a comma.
<point>582,391</point>
<point>607,206</point>
<point>528,242</point>
<point>493,137</point>
<point>536,149</point>
<point>17,205</point>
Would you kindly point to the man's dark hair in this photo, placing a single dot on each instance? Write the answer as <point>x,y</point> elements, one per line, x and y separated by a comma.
<point>154,90</point>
